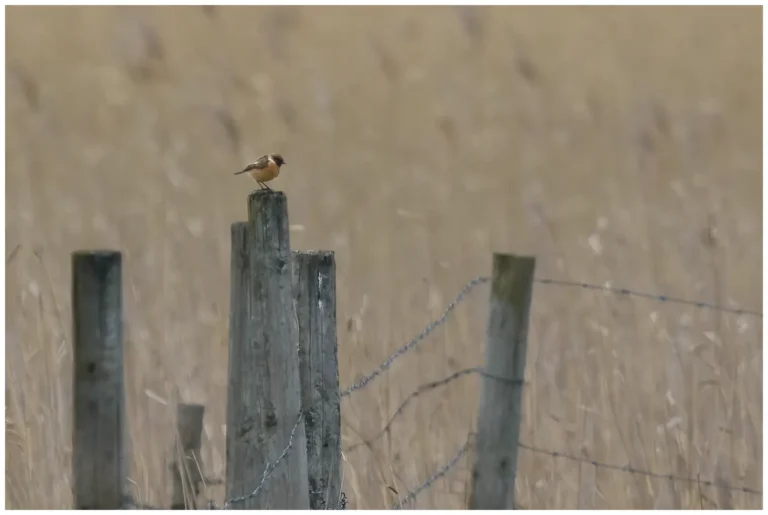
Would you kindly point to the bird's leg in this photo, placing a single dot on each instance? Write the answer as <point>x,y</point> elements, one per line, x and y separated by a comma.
<point>261,186</point>
<point>268,188</point>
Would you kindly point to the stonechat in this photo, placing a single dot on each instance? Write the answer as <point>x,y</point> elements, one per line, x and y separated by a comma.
<point>264,169</point>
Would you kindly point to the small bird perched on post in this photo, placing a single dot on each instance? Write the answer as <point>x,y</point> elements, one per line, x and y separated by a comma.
<point>264,169</point>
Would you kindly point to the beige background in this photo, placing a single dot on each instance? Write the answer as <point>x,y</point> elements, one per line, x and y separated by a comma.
<point>618,145</point>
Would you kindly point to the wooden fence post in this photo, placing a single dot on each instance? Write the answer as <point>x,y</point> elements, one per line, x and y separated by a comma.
<point>99,436</point>
<point>314,283</point>
<point>187,467</point>
<point>498,429</point>
<point>264,394</point>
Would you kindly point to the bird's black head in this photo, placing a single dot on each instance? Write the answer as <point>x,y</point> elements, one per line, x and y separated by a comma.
<point>278,159</point>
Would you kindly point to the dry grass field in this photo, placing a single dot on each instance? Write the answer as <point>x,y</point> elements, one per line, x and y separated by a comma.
<point>617,145</point>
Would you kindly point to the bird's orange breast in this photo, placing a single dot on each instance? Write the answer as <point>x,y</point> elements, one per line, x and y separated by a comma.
<point>266,174</point>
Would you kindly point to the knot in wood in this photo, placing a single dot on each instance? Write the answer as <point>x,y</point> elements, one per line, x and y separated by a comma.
<point>270,419</point>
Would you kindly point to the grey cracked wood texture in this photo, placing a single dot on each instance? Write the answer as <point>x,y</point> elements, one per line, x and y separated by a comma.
<point>264,396</point>
<point>314,284</point>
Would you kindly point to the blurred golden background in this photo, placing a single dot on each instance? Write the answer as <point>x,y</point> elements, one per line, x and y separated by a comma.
<point>617,145</point>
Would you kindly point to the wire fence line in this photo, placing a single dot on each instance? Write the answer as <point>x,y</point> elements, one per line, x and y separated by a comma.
<point>418,338</point>
<point>651,296</point>
<point>270,466</point>
<point>424,389</point>
<point>473,283</point>
<point>632,470</point>
<point>555,454</point>
<point>447,467</point>
<point>442,471</point>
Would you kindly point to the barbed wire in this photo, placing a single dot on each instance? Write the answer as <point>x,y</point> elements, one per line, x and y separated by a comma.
<point>557,282</point>
<point>442,471</point>
<point>651,296</point>
<point>418,338</point>
<point>556,454</point>
<point>270,467</point>
<point>411,496</point>
<point>425,388</point>
<point>633,470</point>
